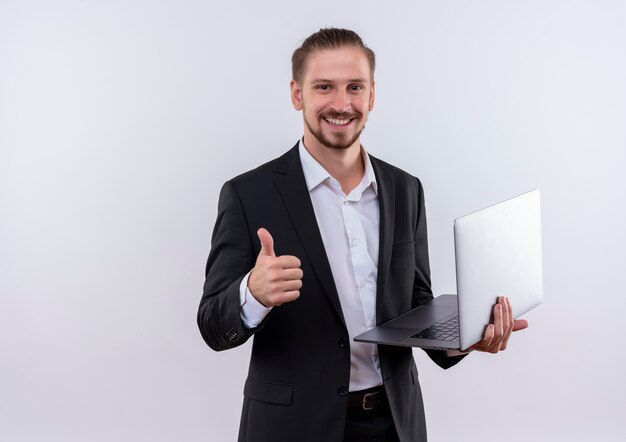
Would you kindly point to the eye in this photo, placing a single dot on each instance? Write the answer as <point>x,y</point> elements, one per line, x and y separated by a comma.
<point>356,87</point>
<point>323,87</point>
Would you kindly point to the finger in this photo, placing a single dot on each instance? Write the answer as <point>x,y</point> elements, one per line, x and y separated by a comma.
<point>519,324</point>
<point>287,286</point>
<point>496,328</point>
<point>288,262</point>
<point>291,274</point>
<point>508,323</point>
<point>285,297</point>
<point>497,322</point>
<point>267,242</point>
<point>487,339</point>
<point>508,315</point>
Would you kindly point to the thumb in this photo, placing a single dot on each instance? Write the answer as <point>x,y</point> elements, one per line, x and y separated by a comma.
<point>267,242</point>
<point>519,324</point>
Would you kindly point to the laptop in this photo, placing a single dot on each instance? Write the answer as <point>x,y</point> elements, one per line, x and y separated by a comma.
<point>497,253</point>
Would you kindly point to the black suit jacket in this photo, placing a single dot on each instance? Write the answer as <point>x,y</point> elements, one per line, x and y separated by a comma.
<point>299,373</point>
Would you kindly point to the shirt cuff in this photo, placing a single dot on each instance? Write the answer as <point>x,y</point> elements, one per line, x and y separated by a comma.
<point>252,311</point>
<point>452,353</point>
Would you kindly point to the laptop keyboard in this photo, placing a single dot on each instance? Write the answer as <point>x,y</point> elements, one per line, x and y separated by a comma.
<point>445,330</point>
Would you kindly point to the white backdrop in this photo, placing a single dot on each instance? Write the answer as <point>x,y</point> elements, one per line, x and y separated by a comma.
<point>120,120</point>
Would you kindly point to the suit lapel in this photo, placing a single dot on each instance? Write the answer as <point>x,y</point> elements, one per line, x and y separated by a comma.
<point>291,185</point>
<point>386,201</point>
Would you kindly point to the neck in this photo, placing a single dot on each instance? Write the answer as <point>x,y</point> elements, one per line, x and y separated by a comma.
<point>345,165</point>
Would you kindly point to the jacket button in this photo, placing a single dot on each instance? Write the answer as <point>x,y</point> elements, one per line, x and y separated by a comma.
<point>342,342</point>
<point>231,334</point>
<point>342,391</point>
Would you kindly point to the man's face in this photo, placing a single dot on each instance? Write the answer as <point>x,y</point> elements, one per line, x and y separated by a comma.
<point>336,94</point>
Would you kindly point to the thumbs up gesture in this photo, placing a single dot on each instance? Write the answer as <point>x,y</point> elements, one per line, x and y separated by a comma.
<point>274,279</point>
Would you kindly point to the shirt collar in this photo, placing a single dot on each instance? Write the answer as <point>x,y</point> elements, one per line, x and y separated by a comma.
<point>315,174</point>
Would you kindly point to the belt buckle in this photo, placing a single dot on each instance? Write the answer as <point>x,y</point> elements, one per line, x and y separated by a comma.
<point>365,396</point>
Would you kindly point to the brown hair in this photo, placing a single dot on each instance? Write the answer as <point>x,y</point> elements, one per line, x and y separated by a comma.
<point>328,38</point>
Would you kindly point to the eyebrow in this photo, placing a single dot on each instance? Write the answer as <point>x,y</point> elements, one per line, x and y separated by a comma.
<point>354,80</point>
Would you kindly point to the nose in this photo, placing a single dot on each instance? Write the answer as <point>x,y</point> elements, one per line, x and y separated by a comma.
<point>341,101</point>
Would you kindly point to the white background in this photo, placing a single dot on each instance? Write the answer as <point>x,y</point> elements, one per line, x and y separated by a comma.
<point>120,120</point>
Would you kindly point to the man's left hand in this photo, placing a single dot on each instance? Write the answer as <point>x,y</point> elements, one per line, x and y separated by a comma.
<point>497,334</point>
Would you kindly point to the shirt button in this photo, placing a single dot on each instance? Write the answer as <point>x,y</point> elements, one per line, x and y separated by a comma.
<point>342,390</point>
<point>362,284</point>
<point>355,242</point>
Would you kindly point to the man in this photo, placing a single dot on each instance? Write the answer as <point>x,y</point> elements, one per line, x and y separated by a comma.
<point>314,248</point>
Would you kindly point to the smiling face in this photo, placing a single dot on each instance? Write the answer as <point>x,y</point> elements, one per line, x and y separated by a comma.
<point>336,95</point>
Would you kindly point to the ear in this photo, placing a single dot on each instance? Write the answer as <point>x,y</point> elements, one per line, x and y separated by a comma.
<point>372,95</point>
<point>296,95</point>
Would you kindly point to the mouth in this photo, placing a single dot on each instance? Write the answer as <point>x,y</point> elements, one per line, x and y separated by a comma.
<point>338,122</point>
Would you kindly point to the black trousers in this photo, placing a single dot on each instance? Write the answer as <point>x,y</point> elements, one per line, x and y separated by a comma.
<point>375,427</point>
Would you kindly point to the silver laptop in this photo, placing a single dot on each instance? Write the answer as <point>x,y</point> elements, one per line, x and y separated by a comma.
<point>498,253</point>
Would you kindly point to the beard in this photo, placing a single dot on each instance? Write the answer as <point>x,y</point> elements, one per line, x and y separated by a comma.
<point>342,142</point>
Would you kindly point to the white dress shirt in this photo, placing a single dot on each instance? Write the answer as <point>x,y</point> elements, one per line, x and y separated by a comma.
<point>349,226</point>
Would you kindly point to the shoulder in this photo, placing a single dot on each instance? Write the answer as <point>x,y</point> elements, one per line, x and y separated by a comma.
<point>266,171</point>
<point>399,176</point>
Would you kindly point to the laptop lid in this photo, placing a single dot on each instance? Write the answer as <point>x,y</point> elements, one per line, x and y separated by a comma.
<point>498,253</point>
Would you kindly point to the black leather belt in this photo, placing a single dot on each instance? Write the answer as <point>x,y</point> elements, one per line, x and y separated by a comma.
<point>367,401</point>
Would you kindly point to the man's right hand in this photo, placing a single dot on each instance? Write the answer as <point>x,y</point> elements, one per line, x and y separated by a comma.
<point>274,279</point>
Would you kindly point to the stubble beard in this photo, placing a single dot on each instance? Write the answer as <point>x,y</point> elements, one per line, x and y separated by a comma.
<point>339,144</point>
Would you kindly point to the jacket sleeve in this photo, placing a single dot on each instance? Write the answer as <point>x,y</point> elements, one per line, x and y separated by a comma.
<point>231,258</point>
<point>422,291</point>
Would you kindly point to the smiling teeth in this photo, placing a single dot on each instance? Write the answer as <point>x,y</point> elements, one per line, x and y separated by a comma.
<point>337,122</point>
